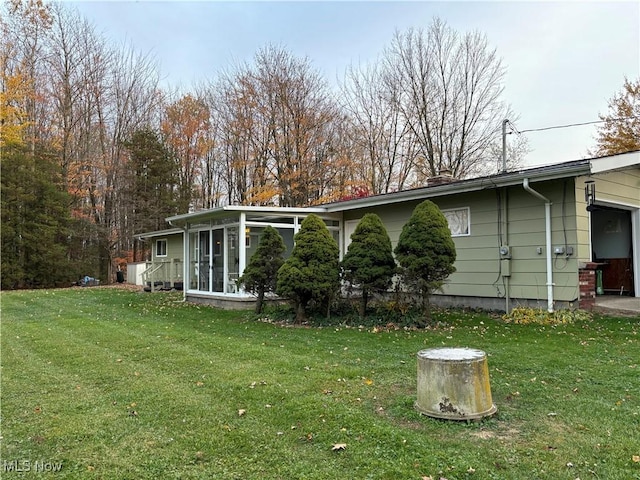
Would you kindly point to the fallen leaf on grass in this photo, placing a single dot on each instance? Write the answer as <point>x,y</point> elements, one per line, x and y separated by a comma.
<point>338,446</point>
<point>635,458</point>
<point>241,412</point>
<point>368,381</point>
<point>199,384</point>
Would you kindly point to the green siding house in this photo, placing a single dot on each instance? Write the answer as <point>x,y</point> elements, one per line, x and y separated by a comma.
<point>165,269</point>
<point>552,236</point>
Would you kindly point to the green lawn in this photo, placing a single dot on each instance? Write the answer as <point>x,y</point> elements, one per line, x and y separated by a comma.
<point>115,384</point>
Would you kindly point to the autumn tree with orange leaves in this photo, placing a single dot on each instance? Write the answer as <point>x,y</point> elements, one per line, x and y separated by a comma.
<point>279,132</point>
<point>186,130</point>
<point>621,129</point>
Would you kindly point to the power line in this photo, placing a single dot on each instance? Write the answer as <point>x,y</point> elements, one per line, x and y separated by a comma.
<point>574,124</point>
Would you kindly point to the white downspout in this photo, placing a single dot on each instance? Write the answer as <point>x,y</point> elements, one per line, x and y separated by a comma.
<point>547,219</point>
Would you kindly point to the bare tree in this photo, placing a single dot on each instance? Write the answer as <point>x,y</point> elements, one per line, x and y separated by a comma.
<point>275,135</point>
<point>387,145</point>
<point>295,104</point>
<point>100,95</point>
<point>450,95</point>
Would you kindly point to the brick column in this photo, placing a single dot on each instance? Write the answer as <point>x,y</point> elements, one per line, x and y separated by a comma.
<point>587,282</point>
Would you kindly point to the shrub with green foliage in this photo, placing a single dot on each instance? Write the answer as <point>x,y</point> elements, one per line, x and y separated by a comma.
<point>311,273</point>
<point>369,261</point>
<point>426,252</point>
<point>260,275</point>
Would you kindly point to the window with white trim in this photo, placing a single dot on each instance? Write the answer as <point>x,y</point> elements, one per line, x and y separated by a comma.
<point>459,220</point>
<point>161,248</point>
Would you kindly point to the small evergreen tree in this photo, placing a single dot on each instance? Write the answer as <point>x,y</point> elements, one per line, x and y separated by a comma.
<point>261,273</point>
<point>311,273</point>
<point>369,261</point>
<point>426,251</point>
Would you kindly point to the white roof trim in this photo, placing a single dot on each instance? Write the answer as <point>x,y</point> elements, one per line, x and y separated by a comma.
<point>614,162</point>
<point>158,233</point>
<point>248,209</point>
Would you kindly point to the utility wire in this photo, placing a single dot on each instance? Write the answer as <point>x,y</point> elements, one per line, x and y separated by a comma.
<point>513,127</point>
<point>573,124</point>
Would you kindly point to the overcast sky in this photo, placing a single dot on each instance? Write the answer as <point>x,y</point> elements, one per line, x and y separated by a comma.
<point>564,60</point>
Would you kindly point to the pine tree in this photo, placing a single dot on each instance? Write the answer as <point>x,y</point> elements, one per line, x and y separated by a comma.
<point>35,222</point>
<point>152,181</point>
<point>369,261</point>
<point>311,273</point>
<point>426,252</point>
<point>260,276</point>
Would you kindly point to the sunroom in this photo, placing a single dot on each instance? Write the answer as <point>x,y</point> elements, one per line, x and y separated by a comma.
<point>218,243</point>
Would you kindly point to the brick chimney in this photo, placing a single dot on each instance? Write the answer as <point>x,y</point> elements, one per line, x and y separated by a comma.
<point>445,176</point>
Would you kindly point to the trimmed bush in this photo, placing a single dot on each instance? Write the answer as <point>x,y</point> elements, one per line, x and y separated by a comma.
<point>260,275</point>
<point>311,273</point>
<point>369,261</point>
<point>426,252</point>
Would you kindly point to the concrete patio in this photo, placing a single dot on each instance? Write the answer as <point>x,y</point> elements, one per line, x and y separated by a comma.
<point>617,304</point>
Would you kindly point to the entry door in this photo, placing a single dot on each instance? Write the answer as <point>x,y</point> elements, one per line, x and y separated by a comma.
<point>612,244</point>
<point>218,260</point>
<point>204,272</point>
<point>349,228</point>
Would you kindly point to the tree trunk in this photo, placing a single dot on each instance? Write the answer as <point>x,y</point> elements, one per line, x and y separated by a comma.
<point>363,303</point>
<point>260,301</point>
<point>301,315</point>
<point>426,308</point>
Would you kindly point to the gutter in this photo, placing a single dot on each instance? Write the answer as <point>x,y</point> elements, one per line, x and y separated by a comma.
<point>547,218</point>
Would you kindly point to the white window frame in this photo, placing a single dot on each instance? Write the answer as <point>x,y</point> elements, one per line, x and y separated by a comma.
<point>166,244</point>
<point>463,233</point>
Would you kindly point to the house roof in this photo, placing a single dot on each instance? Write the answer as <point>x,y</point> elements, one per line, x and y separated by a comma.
<point>224,211</point>
<point>537,174</point>
<point>157,233</point>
